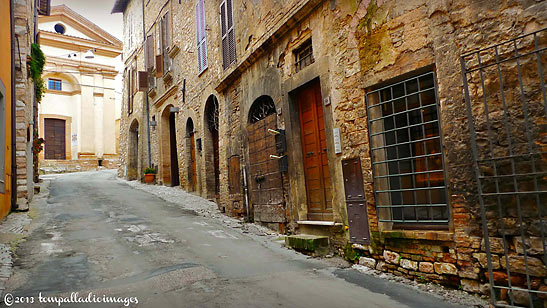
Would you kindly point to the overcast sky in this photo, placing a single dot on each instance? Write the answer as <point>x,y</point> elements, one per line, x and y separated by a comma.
<point>97,11</point>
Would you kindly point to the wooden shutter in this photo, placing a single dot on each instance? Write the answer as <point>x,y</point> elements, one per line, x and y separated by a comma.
<point>129,75</point>
<point>228,34</point>
<point>134,88</point>
<point>165,43</point>
<point>149,52</point>
<point>201,36</point>
<point>143,80</point>
<point>159,65</point>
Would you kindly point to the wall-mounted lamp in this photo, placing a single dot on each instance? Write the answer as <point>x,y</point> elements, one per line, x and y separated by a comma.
<point>174,109</point>
<point>153,124</point>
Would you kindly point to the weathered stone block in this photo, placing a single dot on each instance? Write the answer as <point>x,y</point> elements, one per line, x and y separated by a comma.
<point>391,257</point>
<point>534,245</point>
<point>381,266</point>
<point>445,268</point>
<point>470,285</point>
<point>483,260</point>
<point>409,264</point>
<point>306,242</point>
<point>426,267</point>
<point>368,262</point>
<point>496,245</point>
<point>517,265</point>
<point>469,272</point>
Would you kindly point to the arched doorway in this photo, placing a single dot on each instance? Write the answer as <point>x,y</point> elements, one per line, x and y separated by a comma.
<point>212,150</point>
<point>266,181</point>
<point>169,161</point>
<point>192,174</point>
<point>133,151</point>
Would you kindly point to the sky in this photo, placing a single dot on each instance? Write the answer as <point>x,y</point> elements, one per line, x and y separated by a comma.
<point>97,11</point>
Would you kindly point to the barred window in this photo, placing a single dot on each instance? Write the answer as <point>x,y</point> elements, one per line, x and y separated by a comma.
<point>406,151</point>
<point>303,56</point>
<point>54,84</point>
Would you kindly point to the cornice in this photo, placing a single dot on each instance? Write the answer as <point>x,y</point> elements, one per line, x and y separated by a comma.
<point>82,66</point>
<point>84,25</point>
<point>71,43</point>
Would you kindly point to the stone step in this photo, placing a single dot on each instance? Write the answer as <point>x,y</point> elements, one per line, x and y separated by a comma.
<point>306,243</point>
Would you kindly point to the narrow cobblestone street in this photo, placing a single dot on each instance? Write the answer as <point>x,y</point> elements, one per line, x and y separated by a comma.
<point>97,234</point>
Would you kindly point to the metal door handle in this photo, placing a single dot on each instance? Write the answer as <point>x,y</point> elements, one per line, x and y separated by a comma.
<point>309,153</point>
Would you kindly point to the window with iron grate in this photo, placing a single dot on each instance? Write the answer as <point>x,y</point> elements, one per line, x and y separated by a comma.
<point>55,84</point>
<point>303,55</point>
<point>406,150</point>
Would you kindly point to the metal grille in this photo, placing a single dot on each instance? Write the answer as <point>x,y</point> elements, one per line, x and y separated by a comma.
<point>507,110</point>
<point>407,160</point>
<point>261,108</point>
<point>304,56</point>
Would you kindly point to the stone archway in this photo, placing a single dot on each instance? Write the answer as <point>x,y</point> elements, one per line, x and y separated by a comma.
<point>211,147</point>
<point>133,152</point>
<point>191,156</point>
<point>169,156</point>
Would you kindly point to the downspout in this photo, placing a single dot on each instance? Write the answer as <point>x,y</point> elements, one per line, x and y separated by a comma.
<point>146,94</point>
<point>13,106</point>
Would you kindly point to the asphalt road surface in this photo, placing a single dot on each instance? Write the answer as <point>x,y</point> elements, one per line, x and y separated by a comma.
<point>96,234</point>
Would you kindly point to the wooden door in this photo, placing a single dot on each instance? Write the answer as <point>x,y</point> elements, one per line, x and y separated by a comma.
<point>314,150</point>
<point>55,139</point>
<point>173,151</point>
<point>192,162</point>
<point>265,180</point>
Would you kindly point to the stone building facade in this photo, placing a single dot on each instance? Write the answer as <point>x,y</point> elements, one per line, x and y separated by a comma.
<point>80,109</point>
<point>338,118</point>
<point>25,13</point>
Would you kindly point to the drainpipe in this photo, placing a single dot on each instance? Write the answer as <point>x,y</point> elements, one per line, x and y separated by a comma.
<point>13,106</point>
<point>146,94</point>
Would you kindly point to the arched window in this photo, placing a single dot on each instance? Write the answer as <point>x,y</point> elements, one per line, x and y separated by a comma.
<point>261,108</point>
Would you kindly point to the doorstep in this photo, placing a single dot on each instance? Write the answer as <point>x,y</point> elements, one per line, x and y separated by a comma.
<point>319,223</point>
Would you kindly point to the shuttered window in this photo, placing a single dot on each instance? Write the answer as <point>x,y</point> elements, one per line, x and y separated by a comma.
<point>149,53</point>
<point>165,43</point>
<point>201,36</point>
<point>129,83</point>
<point>228,34</point>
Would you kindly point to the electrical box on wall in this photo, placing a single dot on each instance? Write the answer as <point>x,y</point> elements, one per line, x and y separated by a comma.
<point>283,164</point>
<point>281,142</point>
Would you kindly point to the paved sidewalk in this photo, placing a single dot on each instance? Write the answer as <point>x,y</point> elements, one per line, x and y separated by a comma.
<point>14,228</point>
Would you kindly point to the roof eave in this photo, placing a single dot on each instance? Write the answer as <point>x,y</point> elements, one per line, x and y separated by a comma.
<point>119,6</point>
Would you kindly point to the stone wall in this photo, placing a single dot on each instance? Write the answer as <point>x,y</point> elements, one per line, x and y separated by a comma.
<point>24,95</point>
<point>356,46</point>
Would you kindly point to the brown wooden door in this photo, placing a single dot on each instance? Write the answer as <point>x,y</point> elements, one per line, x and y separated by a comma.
<point>314,148</point>
<point>265,181</point>
<point>55,139</point>
<point>193,162</point>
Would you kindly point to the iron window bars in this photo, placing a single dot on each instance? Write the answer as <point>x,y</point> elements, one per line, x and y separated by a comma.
<point>303,56</point>
<point>406,151</point>
<point>506,102</point>
<point>54,84</point>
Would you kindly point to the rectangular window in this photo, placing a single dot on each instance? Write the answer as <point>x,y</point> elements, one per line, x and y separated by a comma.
<point>201,36</point>
<point>228,34</point>
<point>406,152</point>
<point>165,43</point>
<point>129,84</point>
<point>2,137</point>
<point>303,55</point>
<point>54,84</point>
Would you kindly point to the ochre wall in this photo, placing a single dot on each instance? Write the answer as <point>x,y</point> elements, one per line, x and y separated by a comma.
<point>5,76</point>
